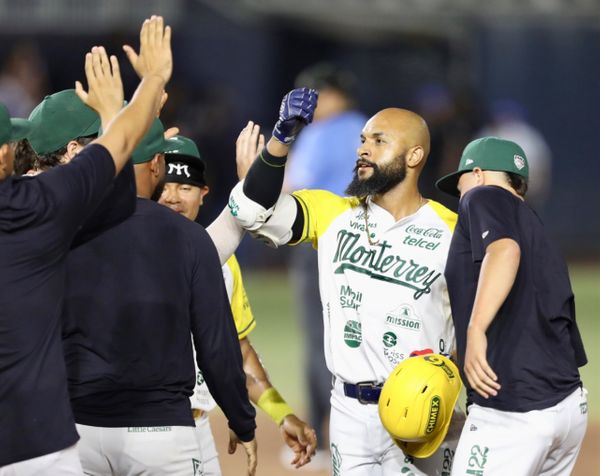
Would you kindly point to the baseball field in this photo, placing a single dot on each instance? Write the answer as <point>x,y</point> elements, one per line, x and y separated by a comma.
<point>278,340</point>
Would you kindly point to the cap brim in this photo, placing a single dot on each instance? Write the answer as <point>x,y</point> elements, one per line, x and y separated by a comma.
<point>424,449</point>
<point>92,129</point>
<point>449,183</point>
<point>20,128</point>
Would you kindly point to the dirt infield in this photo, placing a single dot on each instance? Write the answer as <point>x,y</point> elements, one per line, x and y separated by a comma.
<point>270,445</point>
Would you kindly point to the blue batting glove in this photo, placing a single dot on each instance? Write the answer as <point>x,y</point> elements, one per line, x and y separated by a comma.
<point>296,111</point>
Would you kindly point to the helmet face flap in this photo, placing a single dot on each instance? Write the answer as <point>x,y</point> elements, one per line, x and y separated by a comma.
<point>417,402</point>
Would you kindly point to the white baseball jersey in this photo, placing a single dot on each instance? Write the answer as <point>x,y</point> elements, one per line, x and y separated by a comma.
<point>244,324</point>
<point>381,301</point>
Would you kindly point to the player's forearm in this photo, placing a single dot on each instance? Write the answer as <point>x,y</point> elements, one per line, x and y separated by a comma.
<point>498,273</point>
<point>124,132</point>
<point>226,234</point>
<point>264,181</point>
<point>260,390</point>
<point>257,379</point>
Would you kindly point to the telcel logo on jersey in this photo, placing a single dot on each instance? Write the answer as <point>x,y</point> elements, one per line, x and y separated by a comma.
<point>420,240</point>
<point>349,299</point>
<point>380,264</point>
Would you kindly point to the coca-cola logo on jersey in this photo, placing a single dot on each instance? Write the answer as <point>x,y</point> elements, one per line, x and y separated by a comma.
<point>435,233</point>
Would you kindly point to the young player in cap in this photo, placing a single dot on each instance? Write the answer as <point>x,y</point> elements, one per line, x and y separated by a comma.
<point>39,217</point>
<point>62,126</point>
<point>184,192</point>
<point>514,312</point>
<point>382,253</point>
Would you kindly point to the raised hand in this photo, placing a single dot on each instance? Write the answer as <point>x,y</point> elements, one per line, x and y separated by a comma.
<point>301,438</point>
<point>249,447</point>
<point>105,88</point>
<point>155,57</point>
<point>296,111</point>
<point>248,145</point>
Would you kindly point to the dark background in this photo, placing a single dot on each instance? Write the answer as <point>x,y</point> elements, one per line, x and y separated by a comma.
<point>235,60</point>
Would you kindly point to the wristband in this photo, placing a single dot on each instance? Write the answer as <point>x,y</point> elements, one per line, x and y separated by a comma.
<point>271,160</point>
<point>274,405</point>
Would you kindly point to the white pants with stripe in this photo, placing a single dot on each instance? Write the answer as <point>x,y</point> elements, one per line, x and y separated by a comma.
<point>360,445</point>
<point>540,442</point>
<point>64,462</point>
<point>207,446</point>
<point>137,451</point>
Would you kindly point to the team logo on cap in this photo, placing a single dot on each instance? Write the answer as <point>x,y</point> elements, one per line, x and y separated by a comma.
<point>468,161</point>
<point>179,169</point>
<point>519,162</point>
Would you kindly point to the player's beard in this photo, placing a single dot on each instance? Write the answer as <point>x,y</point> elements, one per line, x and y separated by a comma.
<point>381,180</point>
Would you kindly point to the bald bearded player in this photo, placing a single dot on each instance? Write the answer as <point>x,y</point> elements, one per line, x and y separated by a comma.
<point>382,253</point>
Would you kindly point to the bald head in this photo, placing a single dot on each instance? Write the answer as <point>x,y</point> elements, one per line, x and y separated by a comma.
<point>407,126</point>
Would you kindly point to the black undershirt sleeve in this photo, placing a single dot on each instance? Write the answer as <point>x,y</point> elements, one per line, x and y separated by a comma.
<point>265,179</point>
<point>263,185</point>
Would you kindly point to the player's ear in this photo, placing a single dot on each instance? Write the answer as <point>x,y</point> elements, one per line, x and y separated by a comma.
<point>72,148</point>
<point>3,158</point>
<point>415,156</point>
<point>204,191</point>
<point>157,164</point>
<point>479,176</point>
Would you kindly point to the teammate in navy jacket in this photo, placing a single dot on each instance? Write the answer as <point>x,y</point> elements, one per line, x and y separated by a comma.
<point>39,217</point>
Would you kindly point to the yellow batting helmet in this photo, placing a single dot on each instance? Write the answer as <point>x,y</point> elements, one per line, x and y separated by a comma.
<point>417,402</point>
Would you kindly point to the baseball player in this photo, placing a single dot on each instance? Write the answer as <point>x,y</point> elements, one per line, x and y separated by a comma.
<point>184,192</point>
<point>39,217</point>
<point>382,253</point>
<point>514,311</point>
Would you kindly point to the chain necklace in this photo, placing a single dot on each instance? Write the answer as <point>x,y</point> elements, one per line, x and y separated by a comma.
<point>370,235</point>
<point>366,215</point>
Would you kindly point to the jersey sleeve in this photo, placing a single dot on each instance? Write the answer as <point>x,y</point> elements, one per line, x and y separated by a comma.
<point>446,215</point>
<point>76,189</point>
<point>240,305</point>
<point>320,208</point>
<point>218,353</point>
<point>118,203</point>
<point>492,216</point>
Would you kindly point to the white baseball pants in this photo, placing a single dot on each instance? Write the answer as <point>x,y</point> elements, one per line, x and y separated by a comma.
<point>64,462</point>
<point>540,442</point>
<point>360,445</point>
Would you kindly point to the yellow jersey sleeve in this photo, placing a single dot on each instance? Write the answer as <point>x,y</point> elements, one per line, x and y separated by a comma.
<point>446,215</point>
<point>320,208</point>
<point>240,306</point>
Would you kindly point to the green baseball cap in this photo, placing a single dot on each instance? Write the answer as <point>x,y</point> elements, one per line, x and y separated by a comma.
<point>12,130</point>
<point>60,118</point>
<point>487,153</point>
<point>152,143</point>
<point>184,164</point>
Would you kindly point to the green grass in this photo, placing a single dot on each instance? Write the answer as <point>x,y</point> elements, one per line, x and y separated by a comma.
<point>278,337</point>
